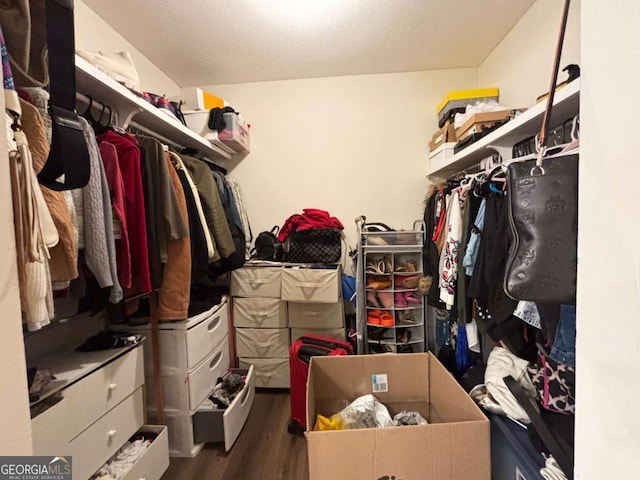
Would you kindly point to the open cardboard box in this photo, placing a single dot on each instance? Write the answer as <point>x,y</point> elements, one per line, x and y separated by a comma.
<point>454,446</point>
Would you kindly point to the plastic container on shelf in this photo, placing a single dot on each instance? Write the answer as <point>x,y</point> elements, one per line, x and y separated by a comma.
<point>236,133</point>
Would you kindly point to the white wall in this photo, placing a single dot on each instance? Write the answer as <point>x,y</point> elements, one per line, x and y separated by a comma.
<point>521,64</point>
<point>349,145</point>
<point>94,34</point>
<point>608,347</point>
<point>15,422</point>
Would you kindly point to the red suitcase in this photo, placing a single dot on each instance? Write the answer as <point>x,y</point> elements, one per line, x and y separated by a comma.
<point>300,355</point>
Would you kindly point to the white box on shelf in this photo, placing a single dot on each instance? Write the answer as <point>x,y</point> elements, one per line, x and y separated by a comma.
<point>441,154</point>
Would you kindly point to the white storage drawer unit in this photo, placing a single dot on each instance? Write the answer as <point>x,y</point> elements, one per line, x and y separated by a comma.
<point>316,315</point>
<point>259,313</point>
<point>256,282</point>
<point>185,344</point>
<point>311,285</point>
<point>269,372</point>
<point>96,414</point>
<point>262,342</point>
<point>215,425</point>
<point>186,389</point>
<point>105,437</point>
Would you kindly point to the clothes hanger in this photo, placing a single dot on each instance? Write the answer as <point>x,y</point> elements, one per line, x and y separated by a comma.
<point>575,136</point>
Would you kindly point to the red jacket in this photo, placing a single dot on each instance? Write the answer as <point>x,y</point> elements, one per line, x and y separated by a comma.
<point>310,218</point>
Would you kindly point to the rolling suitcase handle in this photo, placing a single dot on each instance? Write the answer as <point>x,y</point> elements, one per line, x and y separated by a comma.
<point>324,343</point>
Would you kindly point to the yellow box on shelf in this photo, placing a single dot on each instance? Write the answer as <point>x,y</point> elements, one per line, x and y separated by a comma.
<point>473,94</point>
<point>195,98</point>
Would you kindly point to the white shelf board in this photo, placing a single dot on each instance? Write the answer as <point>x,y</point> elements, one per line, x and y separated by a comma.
<point>69,366</point>
<point>99,86</point>
<point>566,103</point>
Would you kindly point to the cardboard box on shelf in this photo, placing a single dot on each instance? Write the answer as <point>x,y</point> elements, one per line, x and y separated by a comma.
<point>446,134</point>
<point>454,446</point>
<point>480,120</point>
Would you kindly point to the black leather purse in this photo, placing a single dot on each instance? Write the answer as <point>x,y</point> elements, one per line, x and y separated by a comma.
<point>543,215</point>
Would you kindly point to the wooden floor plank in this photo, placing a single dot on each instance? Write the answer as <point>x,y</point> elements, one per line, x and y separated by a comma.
<point>263,451</point>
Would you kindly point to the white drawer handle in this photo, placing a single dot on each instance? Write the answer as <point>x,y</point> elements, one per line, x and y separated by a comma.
<point>257,281</point>
<point>216,360</point>
<point>258,313</point>
<point>245,395</point>
<point>112,387</point>
<point>111,434</point>
<point>267,375</point>
<point>214,323</point>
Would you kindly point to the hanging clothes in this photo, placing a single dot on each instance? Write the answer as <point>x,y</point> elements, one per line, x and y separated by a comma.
<point>100,250</point>
<point>173,297</point>
<point>63,264</point>
<point>198,204</point>
<point>170,224</point>
<point>31,217</point>
<point>212,206</point>
<point>237,195</point>
<point>199,251</point>
<point>109,157</point>
<point>155,262</point>
<point>129,162</point>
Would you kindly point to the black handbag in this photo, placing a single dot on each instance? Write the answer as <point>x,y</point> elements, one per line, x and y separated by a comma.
<point>543,215</point>
<point>316,245</point>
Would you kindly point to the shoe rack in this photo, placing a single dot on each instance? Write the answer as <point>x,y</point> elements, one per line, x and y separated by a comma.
<point>391,309</point>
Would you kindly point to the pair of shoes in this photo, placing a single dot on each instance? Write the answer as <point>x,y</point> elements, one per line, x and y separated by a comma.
<point>379,333</point>
<point>406,282</point>
<point>380,317</point>
<point>404,335</point>
<point>406,299</point>
<point>405,317</point>
<point>404,348</point>
<point>379,299</point>
<point>410,266</point>
<point>376,267</point>
<point>377,284</point>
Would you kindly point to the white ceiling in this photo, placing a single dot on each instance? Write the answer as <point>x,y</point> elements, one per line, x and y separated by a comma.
<point>214,42</point>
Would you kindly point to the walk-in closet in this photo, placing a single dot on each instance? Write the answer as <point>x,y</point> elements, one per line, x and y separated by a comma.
<point>319,240</point>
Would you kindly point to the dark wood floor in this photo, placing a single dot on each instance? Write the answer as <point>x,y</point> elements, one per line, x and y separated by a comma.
<point>264,450</point>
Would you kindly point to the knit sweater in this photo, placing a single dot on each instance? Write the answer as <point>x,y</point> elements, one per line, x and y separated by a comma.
<point>97,243</point>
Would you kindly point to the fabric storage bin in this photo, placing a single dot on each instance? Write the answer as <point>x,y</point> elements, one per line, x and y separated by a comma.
<point>185,390</point>
<point>236,134</point>
<point>155,460</point>
<point>262,342</point>
<point>269,372</point>
<point>311,285</point>
<point>319,315</point>
<point>259,313</point>
<point>210,424</point>
<point>256,282</point>
<point>337,333</point>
